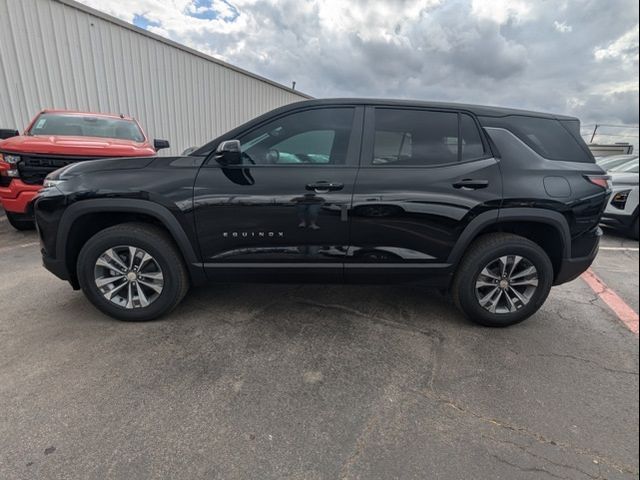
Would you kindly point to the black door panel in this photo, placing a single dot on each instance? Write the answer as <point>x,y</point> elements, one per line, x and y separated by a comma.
<point>408,210</point>
<point>285,207</point>
<point>275,218</point>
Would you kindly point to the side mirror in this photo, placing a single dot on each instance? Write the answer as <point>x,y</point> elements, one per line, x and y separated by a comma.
<point>229,152</point>
<point>8,133</point>
<point>160,144</point>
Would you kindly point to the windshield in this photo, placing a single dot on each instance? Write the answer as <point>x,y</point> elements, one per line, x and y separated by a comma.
<point>629,167</point>
<point>86,126</point>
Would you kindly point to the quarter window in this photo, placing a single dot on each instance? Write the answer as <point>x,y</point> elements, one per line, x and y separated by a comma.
<point>423,138</point>
<point>312,137</point>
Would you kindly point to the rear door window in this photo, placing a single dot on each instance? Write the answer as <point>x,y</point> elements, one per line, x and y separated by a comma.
<point>424,138</point>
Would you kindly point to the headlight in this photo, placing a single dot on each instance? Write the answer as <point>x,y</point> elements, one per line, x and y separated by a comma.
<point>11,159</point>
<point>9,164</point>
<point>619,200</point>
<point>50,183</point>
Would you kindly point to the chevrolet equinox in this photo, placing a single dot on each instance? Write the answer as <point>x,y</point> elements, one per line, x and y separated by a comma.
<point>492,204</point>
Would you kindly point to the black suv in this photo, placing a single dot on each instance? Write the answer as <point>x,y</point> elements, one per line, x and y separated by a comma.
<point>496,205</point>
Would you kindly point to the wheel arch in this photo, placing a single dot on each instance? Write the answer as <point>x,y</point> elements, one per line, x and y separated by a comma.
<point>84,219</point>
<point>547,228</point>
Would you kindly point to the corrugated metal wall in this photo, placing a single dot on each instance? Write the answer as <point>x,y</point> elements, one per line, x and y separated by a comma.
<point>59,54</point>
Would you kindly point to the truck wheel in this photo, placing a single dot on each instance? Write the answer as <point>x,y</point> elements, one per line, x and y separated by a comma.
<point>132,272</point>
<point>503,279</point>
<point>20,221</point>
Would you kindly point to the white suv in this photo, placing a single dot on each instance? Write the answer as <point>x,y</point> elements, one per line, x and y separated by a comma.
<point>622,209</point>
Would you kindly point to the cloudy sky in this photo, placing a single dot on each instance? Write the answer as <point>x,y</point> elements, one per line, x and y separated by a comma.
<point>576,56</point>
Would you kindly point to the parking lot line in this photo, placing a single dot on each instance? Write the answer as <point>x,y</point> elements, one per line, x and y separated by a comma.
<point>24,245</point>
<point>621,249</point>
<point>624,312</point>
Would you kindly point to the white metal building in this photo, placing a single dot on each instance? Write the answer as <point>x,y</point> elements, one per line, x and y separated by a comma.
<point>62,54</point>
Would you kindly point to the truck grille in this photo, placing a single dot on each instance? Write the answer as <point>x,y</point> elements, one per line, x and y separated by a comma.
<point>33,168</point>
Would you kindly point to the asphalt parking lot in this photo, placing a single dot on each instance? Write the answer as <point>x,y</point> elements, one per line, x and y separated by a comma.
<point>315,382</point>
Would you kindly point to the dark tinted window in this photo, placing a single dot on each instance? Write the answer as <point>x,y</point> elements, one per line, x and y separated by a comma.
<point>548,137</point>
<point>312,137</point>
<point>422,138</point>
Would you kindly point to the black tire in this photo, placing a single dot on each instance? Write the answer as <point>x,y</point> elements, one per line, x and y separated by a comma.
<point>159,245</point>
<point>633,231</point>
<point>481,253</point>
<point>20,221</point>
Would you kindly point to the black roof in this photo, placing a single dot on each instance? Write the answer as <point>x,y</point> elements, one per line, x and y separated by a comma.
<point>479,110</point>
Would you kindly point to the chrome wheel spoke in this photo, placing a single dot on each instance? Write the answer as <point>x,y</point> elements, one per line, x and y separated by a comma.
<point>101,282</point>
<point>129,296</point>
<point>520,296</point>
<point>524,273</point>
<point>522,283</point>
<point>152,276</point>
<point>512,306</point>
<point>485,272</point>
<point>142,298</point>
<point>493,304</point>
<point>514,265</point>
<point>109,294</point>
<point>146,258</point>
<point>503,265</point>
<point>153,286</point>
<point>485,283</point>
<point>132,257</point>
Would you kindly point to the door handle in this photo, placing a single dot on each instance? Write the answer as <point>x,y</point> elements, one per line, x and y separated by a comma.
<point>469,184</point>
<point>324,187</point>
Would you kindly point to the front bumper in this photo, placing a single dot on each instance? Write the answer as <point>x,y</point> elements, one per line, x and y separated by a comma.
<point>617,220</point>
<point>17,197</point>
<point>58,268</point>
<point>572,268</point>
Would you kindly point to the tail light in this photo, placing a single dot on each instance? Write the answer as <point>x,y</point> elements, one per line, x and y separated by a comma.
<point>603,181</point>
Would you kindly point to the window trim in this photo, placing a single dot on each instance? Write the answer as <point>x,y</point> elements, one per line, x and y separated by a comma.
<point>353,149</point>
<point>368,142</point>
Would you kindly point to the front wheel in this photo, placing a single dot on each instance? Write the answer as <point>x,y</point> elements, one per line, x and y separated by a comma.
<point>502,280</point>
<point>132,272</point>
<point>20,221</point>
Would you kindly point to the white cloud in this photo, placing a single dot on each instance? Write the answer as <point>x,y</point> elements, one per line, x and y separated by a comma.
<point>494,52</point>
<point>562,27</point>
<point>624,48</point>
<point>501,11</point>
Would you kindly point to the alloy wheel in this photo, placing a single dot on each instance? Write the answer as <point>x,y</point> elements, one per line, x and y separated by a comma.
<point>506,284</point>
<point>128,276</point>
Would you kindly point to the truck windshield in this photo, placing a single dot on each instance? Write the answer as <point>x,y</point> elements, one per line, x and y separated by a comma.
<point>86,126</point>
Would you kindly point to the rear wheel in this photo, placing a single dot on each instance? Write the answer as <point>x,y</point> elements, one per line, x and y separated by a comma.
<point>132,272</point>
<point>502,280</point>
<point>20,221</point>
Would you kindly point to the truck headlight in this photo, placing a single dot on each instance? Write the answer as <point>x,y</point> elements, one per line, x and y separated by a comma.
<point>9,165</point>
<point>10,159</point>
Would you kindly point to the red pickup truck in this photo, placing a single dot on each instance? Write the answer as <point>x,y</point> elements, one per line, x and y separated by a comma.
<point>56,138</point>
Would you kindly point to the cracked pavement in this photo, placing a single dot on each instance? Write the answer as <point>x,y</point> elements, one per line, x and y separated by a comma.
<point>314,382</point>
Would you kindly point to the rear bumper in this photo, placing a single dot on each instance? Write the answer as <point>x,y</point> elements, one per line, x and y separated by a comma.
<point>17,197</point>
<point>572,268</point>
